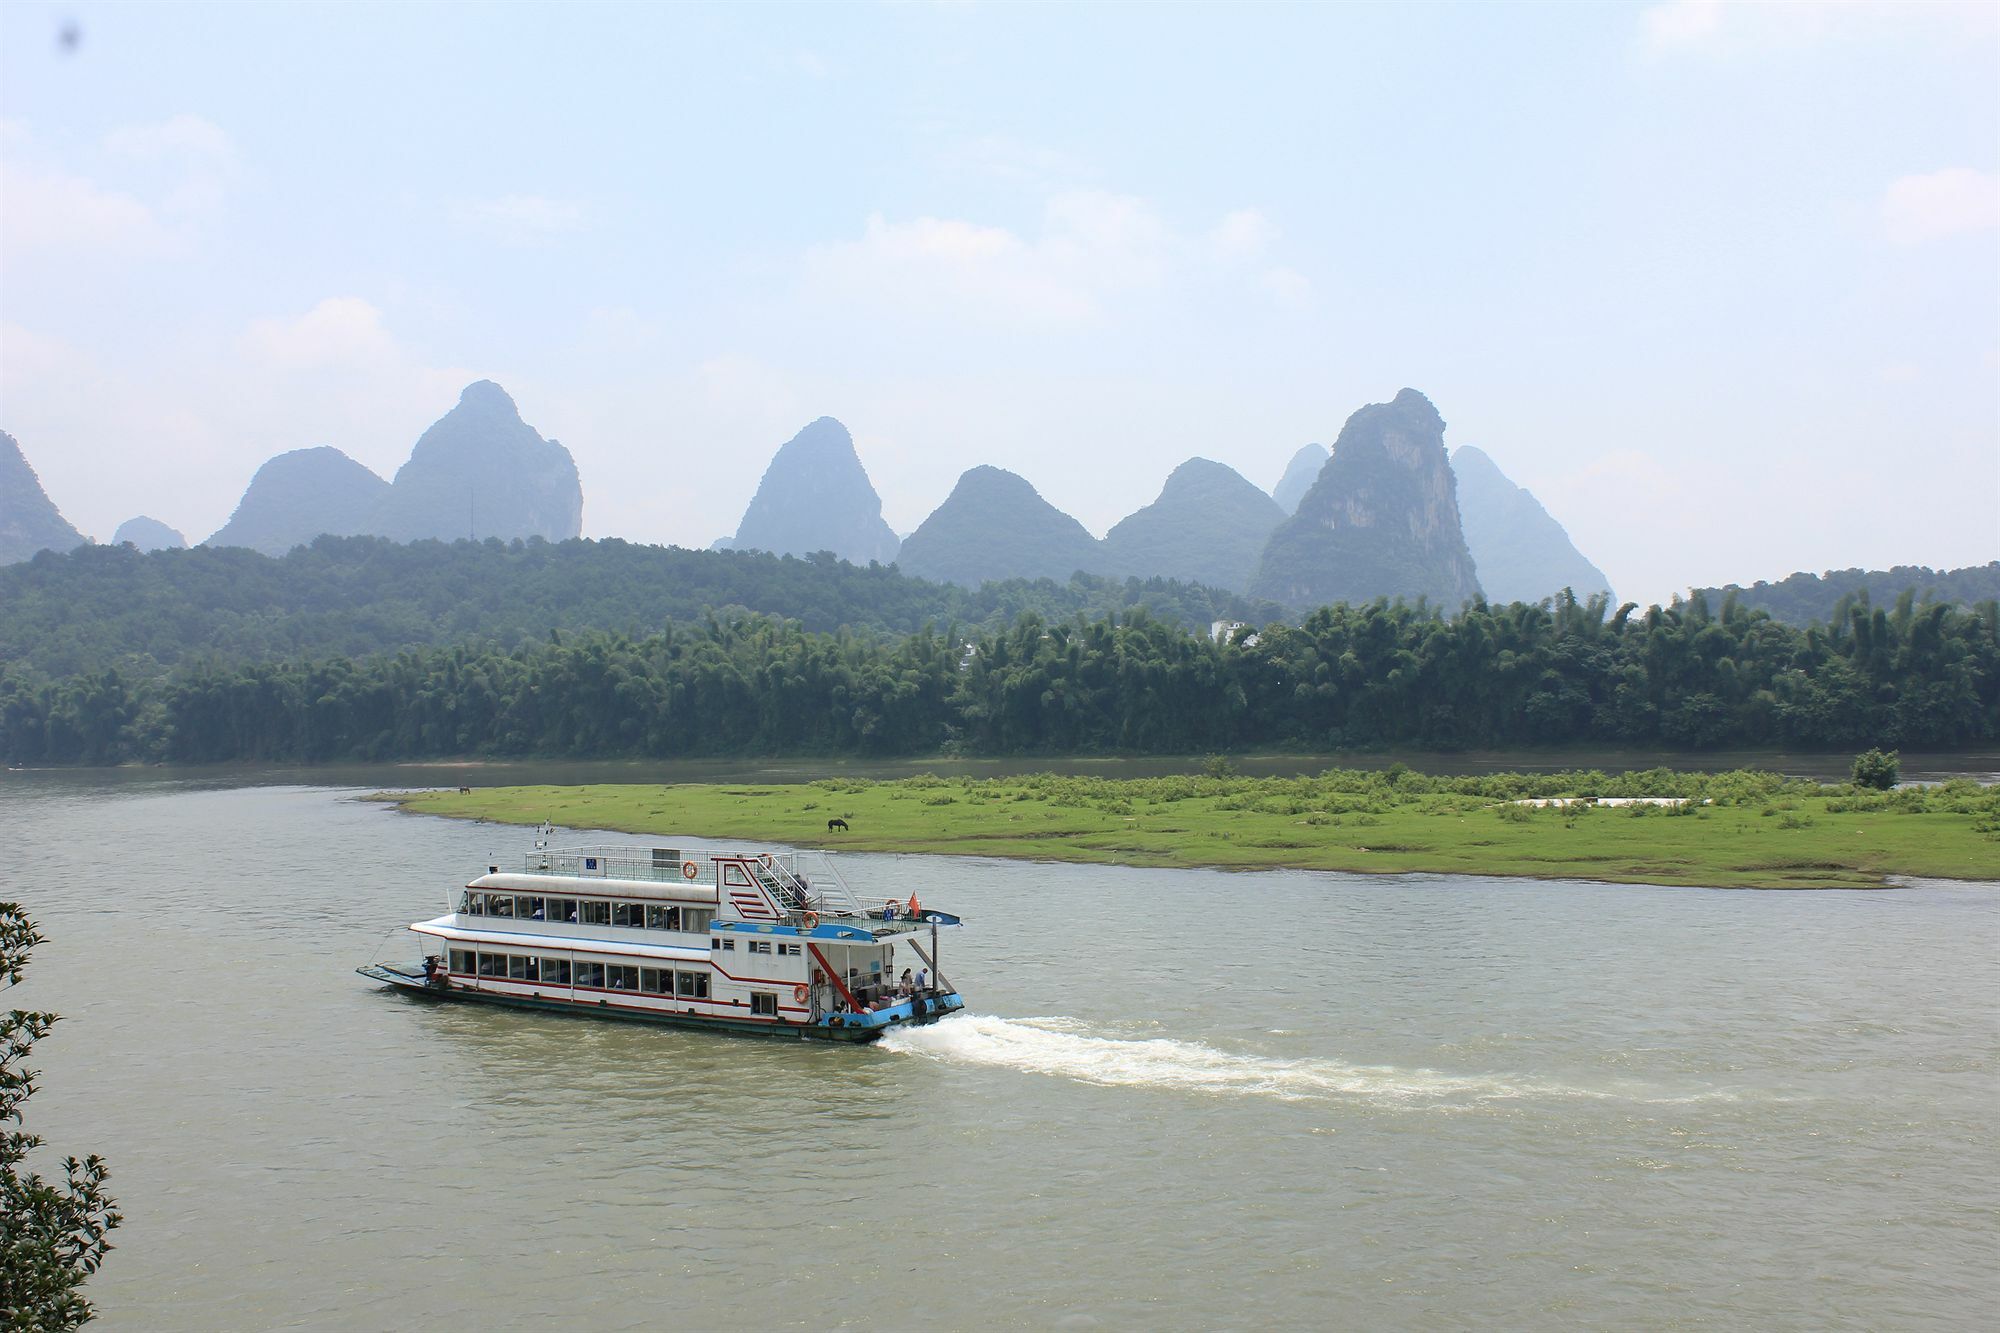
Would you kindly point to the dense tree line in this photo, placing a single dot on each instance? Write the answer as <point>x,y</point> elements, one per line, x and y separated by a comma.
<point>100,607</point>
<point>1808,599</point>
<point>1560,673</point>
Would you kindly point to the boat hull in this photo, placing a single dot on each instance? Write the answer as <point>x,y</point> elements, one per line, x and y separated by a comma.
<point>870,1027</point>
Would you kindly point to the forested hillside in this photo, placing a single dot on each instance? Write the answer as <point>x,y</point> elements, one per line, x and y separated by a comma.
<point>1347,676</point>
<point>1805,599</point>
<point>101,607</point>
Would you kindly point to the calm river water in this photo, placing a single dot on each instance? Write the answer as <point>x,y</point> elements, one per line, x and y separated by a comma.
<point>1182,1099</point>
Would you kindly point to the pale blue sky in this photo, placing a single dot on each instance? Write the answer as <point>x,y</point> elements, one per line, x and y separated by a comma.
<point>1719,282</point>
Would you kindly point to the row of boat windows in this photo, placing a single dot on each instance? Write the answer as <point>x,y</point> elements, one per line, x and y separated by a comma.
<point>564,972</point>
<point>586,911</point>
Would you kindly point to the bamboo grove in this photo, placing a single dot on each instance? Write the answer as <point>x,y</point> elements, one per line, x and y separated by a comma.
<point>1684,677</point>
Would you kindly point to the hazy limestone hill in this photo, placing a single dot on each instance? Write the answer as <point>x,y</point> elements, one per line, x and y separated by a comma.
<point>148,534</point>
<point>815,496</point>
<point>1208,526</point>
<point>29,520</point>
<point>299,495</point>
<point>1522,553</point>
<point>1299,476</point>
<point>1381,520</point>
<point>1803,599</point>
<point>994,525</point>
<point>481,471</point>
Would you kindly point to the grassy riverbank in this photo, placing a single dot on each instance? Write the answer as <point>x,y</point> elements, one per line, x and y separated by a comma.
<point>1737,830</point>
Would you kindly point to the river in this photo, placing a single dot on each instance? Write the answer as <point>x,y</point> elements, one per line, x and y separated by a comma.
<point>1181,1099</point>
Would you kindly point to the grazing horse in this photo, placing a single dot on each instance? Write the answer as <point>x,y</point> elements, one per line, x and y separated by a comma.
<point>836,823</point>
<point>465,791</point>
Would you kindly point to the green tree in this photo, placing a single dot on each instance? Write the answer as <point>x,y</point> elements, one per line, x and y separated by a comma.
<point>1878,770</point>
<point>52,1237</point>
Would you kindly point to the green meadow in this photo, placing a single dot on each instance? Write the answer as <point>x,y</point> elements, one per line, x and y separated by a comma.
<point>1737,830</point>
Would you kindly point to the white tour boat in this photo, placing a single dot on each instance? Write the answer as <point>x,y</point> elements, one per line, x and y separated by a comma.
<point>736,941</point>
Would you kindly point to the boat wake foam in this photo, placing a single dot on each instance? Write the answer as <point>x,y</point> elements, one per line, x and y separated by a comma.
<point>1064,1048</point>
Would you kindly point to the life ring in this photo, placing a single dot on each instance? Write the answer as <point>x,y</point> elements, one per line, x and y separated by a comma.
<point>764,860</point>
<point>689,870</point>
<point>810,920</point>
<point>799,993</point>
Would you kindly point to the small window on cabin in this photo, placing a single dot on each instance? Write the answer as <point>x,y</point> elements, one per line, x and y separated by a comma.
<point>498,904</point>
<point>628,914</point>
<point>663,918</point>
<point>492,965</point>
<point>696,918</point>
<point>692,985</point>
<point>650,983</point>
<point>596,913</point>
<point>461,961</point>
<point>523,967</point>
<point>764,1002</point>
<point>732,875</point>
<point>472,904</point>
<point>760,946</point>
<point>560,909</point>
<point>528,909</point>
<point>590,974</point>
<point>795,950</point>
<point>555,971</point>
<point>724,943</point>
<point>622,977</point>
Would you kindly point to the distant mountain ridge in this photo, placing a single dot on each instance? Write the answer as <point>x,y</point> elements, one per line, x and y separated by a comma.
<point>1381,519</point>
<point>1299,476</point>
<point>480,471</point>
<point>297,496</point>
<point>1803,599</point>
<point>148,534</point>
<point>29,520</point>
<point>1521,552</point>
<point>994,525</point>
<point>816,496</point>
<point>1208,526</point>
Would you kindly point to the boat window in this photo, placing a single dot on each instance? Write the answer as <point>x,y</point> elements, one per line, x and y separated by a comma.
<point>628,914</point>
<point>461,961</point>
<point>492,965</point>
<point>720,942</point>
<point>560,909</point>
<point>499,904</point>
<point>528,909</point>
<point>521,967</point>
<point>733,876</point>
<point>623,977</point>
<point>760,946</point>
<point>596,913</point>
<point>764,1002</point>
<point>472,904</point>
<point>793,949</point>
<point>693,985</point>
<point>696,918</point>
<point>555,971</point>
<point>663,918</point>
<point>590,974</point>
<point>656,980</point>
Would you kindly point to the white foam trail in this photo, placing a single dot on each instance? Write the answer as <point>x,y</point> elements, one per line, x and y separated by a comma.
<point>1065,1048</point>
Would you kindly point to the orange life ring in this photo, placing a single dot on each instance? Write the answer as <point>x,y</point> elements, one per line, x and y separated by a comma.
<point>810,920</point>
<point>799,993</point>
<point>689,870</point>
<point>764,860</point>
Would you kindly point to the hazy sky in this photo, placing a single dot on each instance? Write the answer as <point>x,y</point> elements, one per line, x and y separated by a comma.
<point>1720,283</point>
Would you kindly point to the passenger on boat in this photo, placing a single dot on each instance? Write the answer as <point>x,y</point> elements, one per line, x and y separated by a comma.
<point>904,988</point>
<point>889,910</point>
<point>923,979</point>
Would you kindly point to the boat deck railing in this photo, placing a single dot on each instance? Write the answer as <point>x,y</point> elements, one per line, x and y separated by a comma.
<point>798,882</point>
